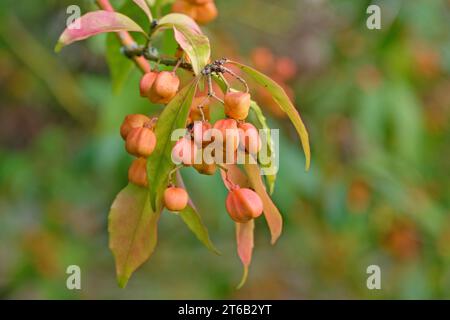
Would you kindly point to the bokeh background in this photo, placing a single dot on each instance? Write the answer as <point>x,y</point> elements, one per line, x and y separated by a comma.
<point>376,103</point>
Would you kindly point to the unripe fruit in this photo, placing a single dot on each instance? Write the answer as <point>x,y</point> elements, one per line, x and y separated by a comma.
<point>249,139</point>
<point>202,133</point>
<point>195,114</point>
<point>204,168</point>
<point>198,2</point>
<point>243,205</point>
<point>146,83</point>
<point>263,59</point>
<point>184,152</point>
<point>164,88</point>
<point>132,121</point>
<point>185,7</point>
<point>175,199</point>
<point>285,68</point>
<point>140,142</point>
<point>237,105</point>
<point>137,173</point>
<point>206,13</point>
<point>229,134</point>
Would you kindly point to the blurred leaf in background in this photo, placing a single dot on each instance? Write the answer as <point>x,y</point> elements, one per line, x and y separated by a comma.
<point>376,104</point>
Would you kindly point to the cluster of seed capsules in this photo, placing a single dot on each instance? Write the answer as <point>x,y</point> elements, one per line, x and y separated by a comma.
<point>231,134</point>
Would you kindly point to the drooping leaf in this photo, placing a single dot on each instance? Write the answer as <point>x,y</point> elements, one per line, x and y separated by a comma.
<point>195,45</point>
<point>178,20</point>
<point>159,164</point>
<point>283,101</point>
<point>132,227</point>
<point>193,220</point>
<point>190,38</point>
<point>262,124</point>
<point>235,175</point>
<point>94,23</point>
<point>244,231</point>
<point>119,66</point>
<point>244,239</point>
<point>144,5</point>
<point>271,213</point>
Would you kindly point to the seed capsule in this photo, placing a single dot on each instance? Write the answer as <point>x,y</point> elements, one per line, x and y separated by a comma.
<point>202,133</point>
<point>146,83</point>
<point>164,88</point>
<point>175,199</point>
<point>132,121</point>
<point>228,134</point>
<point>249,139</point>
<point>184,152</point>
<point>206,12</point>
<point>237,105</point>
<point>243,205</point>
<point>140,142</point>
<point>137,173</point>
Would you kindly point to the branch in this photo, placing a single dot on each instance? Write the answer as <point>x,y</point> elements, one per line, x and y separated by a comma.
<point>141,51</point>
<point>140,54</point>
<point>126,39</point>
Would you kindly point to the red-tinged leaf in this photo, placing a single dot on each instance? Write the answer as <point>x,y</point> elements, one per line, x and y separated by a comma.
<point>244,238</point>
<point>145,7</point>
<point>178,20</point>
<point>234,174</point>
<point>94,23</point>
<point>283,101</point>
<point>132,226</point>
<point>271,213</point>
<point>244,231</point>
<point>195,45</point>
<point>159,164</point>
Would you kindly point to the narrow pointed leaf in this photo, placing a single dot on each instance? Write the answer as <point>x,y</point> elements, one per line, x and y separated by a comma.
<point>193,220</point>
<point>94,23</point>
<point>262,124</point>
<point>244,239</point>
<point>271,213</point>
<point>283,101</point>
<point>159,164</point>
<point>132,226</point>
<point>178,20</point>
<point>145,7</point>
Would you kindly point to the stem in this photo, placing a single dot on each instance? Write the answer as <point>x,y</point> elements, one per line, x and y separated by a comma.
<point>139,54</point>
<point>126,39</point>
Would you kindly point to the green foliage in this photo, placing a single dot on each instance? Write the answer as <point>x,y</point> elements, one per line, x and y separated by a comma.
<point>132,230</point>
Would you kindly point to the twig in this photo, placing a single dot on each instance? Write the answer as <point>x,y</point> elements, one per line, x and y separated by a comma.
<point>126,39</point>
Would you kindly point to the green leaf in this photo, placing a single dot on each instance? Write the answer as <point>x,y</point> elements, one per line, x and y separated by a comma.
<point>262,124</point>
<point>178,20</point>
<point>196,46</point>
<point>281,98</point>
<point>271,213</point>
<point>190,38</point>
<point>145,6</point>
<point>159,164</point>
<point>119,66</point>
<point>193,220</point>
<point>94,23</point>
<point>132,227</point>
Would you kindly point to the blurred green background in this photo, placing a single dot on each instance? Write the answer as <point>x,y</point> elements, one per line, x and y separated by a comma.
<point>377,106</point>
